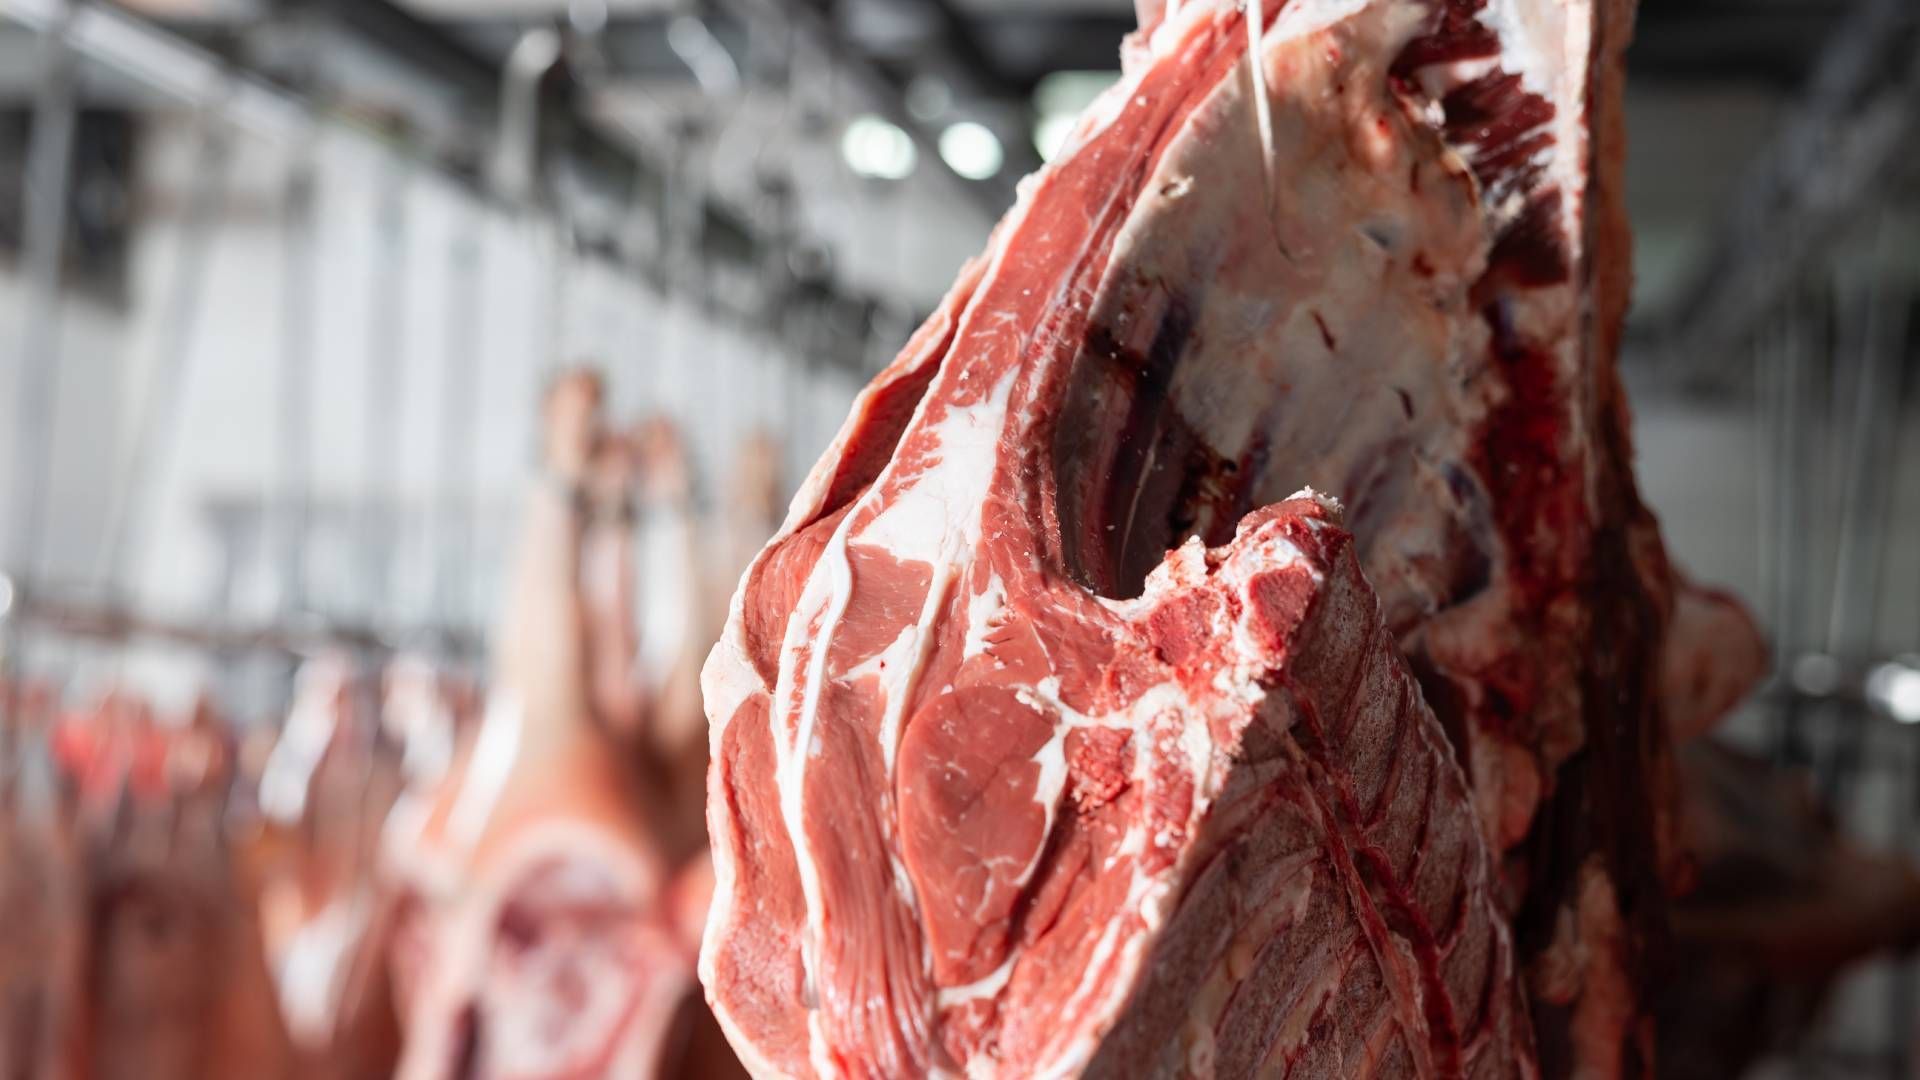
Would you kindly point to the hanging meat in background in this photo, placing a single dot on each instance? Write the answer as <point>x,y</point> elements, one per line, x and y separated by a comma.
<point>40,897</point>
<point>645,587</point>
<point>1386,258</point>
<point>1778,905</point>
<point>147,948</point>
<point>177,982</point>
<point>1771,904</point>
<point>326,792</point>
<point>748,517</point>
<point>169,978</point>
<point>316,849</point>
<point>544,935</point>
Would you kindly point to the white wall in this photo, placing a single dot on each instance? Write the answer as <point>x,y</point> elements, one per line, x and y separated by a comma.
<point>227,441</point>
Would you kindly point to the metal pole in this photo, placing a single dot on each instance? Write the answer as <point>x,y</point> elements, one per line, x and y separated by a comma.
<point>49,168</point>
<point>1786,566</point>
<point>386,328</point>
<point>684,212</point>
<point>159,407</point>
<point>49,173</point>
<point>1866,485</point>
<point>297,296</point>
<point>460,423</point>
<point>557,331</point>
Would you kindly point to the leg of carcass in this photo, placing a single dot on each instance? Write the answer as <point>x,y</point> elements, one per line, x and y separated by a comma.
<point>542,655</point>
<point>607,591</point>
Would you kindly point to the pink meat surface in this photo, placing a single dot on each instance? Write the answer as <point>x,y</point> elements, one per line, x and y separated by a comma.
<point>1209,829</point>
<point>974,811</point>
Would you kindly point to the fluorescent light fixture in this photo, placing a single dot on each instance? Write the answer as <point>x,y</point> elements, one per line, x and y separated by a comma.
<point>1058,102</point>
<point>1050,134</point>
<point>972,150</point>
<point>1895,687</point>
<point>1070,91</point>
<point>877,149</point>
<point>928,98</point>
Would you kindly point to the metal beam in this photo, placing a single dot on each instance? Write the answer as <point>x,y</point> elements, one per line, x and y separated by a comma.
<point>1841,145</point>
<point>177,59</point>
<point>959,38</point>
<point>49,169</point>
<point>883,90</point>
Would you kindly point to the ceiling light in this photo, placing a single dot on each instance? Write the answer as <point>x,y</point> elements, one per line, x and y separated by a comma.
<point>877,149</point>
<point>1059,100</point>
<point>1895,687</point>
<point>588,17</point>
<point>1071,91</point>
<point>928,98</point>
<point>1816,675</point>
<point>1050,134</point>
<point>972,150</point>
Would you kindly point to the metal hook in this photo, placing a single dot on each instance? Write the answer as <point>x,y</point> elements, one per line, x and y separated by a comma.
<point>515,172</point>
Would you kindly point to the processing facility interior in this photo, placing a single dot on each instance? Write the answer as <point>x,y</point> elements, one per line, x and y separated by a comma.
<point>318,318</point>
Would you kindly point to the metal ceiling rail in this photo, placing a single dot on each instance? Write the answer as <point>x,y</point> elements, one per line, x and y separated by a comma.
<point>297,637</point>
<point>264,106</point>
<point>1841,144</point>
<point>991,197</point>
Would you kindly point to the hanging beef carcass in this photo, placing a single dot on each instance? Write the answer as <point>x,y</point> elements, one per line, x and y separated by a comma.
<point>972,812</point>
<point>176,982</point>
<point>543,934</point>
<point>325,791</point>
<point>42,896</point>
<point>530,942</point>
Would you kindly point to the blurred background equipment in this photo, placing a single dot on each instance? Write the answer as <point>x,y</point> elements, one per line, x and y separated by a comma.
<point>284,288</point>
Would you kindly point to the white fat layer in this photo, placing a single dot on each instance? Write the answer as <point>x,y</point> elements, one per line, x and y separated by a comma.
<point>727,680</point>
<point>821,606</point>
<point>1547,45</point>
<point>1048,789</point>
<point>1262,106</point>
<point>928,512</point>
<point>985,988</point>
<point>887,660</point>
<point>936,519</point>
<point>982,608</point>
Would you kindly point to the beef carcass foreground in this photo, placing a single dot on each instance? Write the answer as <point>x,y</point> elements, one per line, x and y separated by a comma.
<point>1002,788</point>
